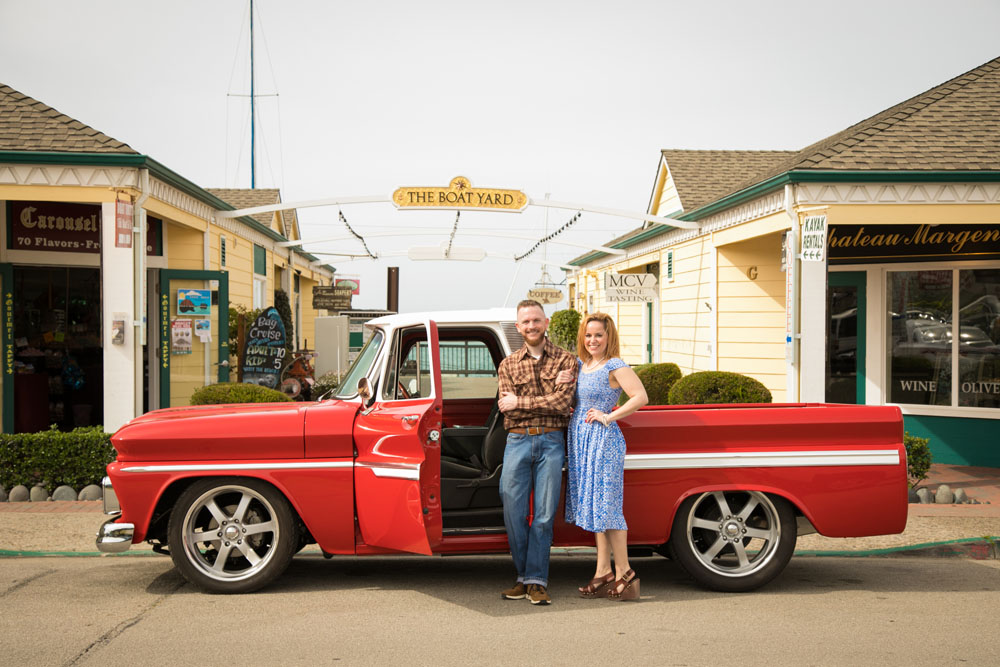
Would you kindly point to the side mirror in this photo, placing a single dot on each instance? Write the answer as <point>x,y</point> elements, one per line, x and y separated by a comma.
<point>364,390</point>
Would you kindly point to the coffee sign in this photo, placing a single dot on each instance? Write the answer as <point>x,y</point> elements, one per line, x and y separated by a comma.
<point>459,195</point>
<point>545,295</point>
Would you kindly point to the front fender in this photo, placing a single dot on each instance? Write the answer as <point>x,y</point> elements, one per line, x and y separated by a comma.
<point>320,491</point>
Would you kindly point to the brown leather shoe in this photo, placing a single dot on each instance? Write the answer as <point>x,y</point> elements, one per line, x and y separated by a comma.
<point>626,588</point>
<point>598,587</point>
<point>516,592</point>
<point>538,595</point>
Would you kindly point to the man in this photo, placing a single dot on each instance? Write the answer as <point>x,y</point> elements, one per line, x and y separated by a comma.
<point>536,413</point>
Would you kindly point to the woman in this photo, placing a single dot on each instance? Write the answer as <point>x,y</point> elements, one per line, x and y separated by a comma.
<point>596,454</point>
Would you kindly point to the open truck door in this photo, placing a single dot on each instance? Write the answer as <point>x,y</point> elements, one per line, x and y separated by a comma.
<point>397,472</point>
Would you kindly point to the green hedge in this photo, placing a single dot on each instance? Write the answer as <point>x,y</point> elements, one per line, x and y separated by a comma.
<point>234,392</point>
<point>657,380</point>
<point>718,387</point>
<point>52,458</point>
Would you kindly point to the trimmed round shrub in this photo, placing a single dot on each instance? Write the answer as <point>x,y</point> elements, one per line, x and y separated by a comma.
<point>563,328</point>
<point>235,392</point>
<point>718,387</point>
<point>657,380</point>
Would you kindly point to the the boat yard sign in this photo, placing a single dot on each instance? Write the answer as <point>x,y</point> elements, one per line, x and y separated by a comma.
<point>460,195</point>
<point>629,287</point>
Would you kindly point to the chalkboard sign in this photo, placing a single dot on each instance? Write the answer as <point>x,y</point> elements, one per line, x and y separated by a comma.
<point>264,352</point>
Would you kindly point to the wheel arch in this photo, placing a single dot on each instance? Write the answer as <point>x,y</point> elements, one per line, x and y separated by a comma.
<point>791,498</point>
<point>167,499</point>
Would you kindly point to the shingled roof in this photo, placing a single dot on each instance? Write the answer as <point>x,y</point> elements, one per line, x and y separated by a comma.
<point>248,198</point>
<point>702,177</point>
<point>29,125</point>
<point>952,127</point>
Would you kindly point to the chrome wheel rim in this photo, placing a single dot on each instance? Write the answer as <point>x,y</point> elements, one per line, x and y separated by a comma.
<point>230,533</point>
<point>733,533</point>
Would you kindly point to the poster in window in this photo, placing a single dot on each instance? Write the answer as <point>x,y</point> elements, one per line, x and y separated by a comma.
<point>194,302</point>
<point>181,336</point>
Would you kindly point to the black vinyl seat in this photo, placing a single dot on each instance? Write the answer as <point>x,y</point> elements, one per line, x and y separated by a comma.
<point>490,456</point>
<point>467,484</point>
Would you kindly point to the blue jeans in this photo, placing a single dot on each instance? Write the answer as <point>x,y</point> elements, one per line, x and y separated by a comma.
<point>531,461</point>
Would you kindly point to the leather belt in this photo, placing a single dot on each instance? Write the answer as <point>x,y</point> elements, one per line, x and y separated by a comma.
<point>533,430</point>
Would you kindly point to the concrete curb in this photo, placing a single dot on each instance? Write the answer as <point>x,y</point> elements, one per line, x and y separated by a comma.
<point>10,553</point>
<point>976,548</point>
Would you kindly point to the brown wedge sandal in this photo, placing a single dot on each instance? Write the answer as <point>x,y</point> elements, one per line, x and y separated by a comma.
<point>626,588</point>
<point>598,586</point>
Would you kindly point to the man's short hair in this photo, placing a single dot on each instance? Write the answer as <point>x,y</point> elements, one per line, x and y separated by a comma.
<point>529,303</point>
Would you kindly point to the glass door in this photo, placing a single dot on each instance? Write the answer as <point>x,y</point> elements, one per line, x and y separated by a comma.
<point>193,333</point>
<point>845,338</point>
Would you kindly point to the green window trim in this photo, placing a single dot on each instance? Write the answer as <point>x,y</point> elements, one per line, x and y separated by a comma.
<point>857,279</point>
<point>259,260</point>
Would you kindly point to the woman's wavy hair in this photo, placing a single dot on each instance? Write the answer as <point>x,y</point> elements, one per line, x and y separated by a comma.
<point>610,331</point>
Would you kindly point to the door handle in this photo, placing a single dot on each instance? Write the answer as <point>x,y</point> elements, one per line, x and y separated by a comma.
<point>410,419</point>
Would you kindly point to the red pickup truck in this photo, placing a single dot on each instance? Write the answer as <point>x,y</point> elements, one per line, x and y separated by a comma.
<point>406,457</point>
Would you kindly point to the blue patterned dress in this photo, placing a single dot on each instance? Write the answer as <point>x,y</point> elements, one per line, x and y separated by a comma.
<point>595,459</point>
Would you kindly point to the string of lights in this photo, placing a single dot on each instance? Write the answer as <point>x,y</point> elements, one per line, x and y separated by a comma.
<point>451,239</point>
<point>572,221</point>
<point>355,234</point>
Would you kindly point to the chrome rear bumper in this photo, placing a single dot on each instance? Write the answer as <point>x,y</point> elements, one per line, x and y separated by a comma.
<point>113,537</point>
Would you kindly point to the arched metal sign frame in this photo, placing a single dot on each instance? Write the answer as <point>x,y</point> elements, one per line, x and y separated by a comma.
<point>460,204</point>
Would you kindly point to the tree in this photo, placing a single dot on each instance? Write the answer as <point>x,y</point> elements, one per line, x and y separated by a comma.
<point>284,308</point>
<point>563,328</point>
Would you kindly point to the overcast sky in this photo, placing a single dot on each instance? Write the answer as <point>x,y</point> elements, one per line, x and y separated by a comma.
<point>573,98</point>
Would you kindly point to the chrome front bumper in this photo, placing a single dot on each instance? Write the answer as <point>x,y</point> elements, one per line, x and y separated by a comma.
<point>114,537</point>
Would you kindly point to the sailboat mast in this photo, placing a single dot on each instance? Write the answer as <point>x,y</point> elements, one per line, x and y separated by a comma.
<point>253,136</point>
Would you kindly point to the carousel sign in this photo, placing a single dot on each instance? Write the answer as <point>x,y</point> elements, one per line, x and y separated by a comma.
<point>459,195</point>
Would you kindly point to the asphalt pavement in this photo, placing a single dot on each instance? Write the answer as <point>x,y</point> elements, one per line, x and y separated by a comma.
<point>420,610</point>
<point>967,530</point>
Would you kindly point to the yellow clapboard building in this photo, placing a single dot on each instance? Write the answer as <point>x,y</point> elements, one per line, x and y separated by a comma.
<point>864,268</point>
<point>118,274</point>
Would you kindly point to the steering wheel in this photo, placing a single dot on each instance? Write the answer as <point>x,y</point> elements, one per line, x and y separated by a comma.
<point>402,390</point>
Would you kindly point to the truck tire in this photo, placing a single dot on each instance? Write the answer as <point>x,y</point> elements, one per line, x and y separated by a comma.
<point>231,534</point>
<point>733,541</point>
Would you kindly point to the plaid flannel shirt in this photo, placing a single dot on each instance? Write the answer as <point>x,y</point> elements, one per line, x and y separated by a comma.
<point>540,401</point>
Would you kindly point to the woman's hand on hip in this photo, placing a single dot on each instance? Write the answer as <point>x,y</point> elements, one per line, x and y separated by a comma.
<point>595,415</point>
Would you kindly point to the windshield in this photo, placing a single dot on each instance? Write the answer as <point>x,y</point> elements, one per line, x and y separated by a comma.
<point>349,386</point>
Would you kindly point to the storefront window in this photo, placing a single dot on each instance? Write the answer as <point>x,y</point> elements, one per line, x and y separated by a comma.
<point>919,355</point>
<point>979,339</point>
<point>923,335</point>
<point>58,361</point>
